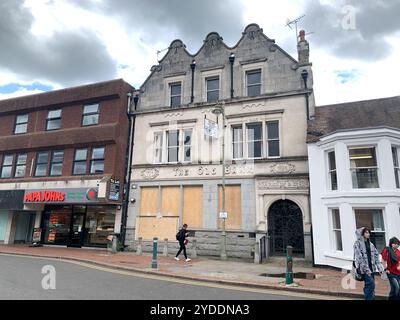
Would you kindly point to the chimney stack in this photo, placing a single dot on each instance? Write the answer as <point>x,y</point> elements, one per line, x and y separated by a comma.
<point>303,49</point>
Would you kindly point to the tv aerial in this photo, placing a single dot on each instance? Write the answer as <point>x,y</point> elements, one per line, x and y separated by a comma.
<point>293,24</point>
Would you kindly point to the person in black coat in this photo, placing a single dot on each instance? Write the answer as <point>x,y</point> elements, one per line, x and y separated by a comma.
<point>181,237</point>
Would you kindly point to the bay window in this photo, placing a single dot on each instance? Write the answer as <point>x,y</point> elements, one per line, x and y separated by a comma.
<point>364,168</point>
<point>332,170</point>
<point>395,157</point>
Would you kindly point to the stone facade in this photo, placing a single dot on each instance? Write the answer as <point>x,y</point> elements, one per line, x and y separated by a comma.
<point>252,181</point>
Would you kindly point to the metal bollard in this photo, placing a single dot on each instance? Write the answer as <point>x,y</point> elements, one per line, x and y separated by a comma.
<point>139,249</point>
<point>154,261</point>
<point>194,249</point>
<point>165,250</point>
<point>289,265</point>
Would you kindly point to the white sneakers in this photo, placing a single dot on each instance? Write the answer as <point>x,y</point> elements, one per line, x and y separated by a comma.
<point>187,260</point>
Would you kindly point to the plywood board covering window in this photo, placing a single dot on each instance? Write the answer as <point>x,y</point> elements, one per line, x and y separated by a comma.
<point>193,206</point>
<point>233,205</point>
<point>149,201</point>
<point>164,228</point>
<point>170,201</point>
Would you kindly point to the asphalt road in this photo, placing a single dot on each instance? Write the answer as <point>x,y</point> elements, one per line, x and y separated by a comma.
<point>21,278</point>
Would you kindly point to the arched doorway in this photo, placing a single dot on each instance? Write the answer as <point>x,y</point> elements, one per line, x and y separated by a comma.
<point>285,228</point>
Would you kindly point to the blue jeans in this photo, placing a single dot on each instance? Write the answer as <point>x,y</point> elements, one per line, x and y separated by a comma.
<point>394,281</point>
<point>369,287</point>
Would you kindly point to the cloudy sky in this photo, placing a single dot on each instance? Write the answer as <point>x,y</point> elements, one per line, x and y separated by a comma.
<point>52,44</point>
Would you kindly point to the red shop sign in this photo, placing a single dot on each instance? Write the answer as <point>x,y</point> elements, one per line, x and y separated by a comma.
<point>45,196</point>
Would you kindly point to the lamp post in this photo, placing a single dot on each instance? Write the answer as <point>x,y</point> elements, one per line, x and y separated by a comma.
<point>220,110</point>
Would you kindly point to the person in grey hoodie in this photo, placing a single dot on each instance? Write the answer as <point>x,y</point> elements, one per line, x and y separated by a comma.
<point>366,258</point>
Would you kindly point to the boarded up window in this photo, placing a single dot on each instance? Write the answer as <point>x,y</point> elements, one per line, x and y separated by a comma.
<point>233,205</point>
<point>149,201</point>
<point>171,199</point>
<point>162,228</point>
<point>193,206</point>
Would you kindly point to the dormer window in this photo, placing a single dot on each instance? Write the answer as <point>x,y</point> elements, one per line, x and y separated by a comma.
<point>212,89</point>
<point>176,94</point>
<point>253,79</point>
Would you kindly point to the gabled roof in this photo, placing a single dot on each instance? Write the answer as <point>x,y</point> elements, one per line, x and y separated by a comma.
<point>328,119</point>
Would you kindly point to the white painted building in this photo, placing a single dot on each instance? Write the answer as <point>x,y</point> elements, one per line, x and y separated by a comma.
<point>354,151</point>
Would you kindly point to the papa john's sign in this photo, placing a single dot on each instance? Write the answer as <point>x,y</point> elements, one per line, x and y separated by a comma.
<point>73,195</point>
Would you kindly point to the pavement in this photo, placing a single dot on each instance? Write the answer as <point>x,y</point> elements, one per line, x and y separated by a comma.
<point>327,281</point>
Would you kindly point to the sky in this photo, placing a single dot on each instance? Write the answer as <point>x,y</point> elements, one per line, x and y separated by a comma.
<point>53,44</point>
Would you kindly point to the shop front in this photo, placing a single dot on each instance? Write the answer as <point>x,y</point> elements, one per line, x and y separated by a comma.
<point>73,217</point>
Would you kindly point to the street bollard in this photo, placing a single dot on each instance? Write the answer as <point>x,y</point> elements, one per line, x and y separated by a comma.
<point>154,261</point>
<point>194,248</point>
<point>289,265</point>
<point>165,250</point>
<point>139,249</point>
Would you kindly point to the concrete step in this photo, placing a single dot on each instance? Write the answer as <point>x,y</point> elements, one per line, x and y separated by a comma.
<point>281,262</point>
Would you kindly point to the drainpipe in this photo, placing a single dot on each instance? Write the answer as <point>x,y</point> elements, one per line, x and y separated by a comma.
<point>304,75</point>
<point>128,166</point>
<point>232,60</point>
<point>193,67</point>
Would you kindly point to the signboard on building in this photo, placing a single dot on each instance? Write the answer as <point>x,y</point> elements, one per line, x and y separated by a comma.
<point>12,199</point>
<point>37,235</point>
<point>68,196</point>
<point>210,128</point>
<point>113,194</point>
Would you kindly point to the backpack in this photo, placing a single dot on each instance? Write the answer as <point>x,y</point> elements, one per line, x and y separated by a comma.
<point>179,235</point>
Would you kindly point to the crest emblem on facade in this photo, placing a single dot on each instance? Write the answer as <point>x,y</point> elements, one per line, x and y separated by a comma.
<point>283,168</point>
<point>150,174</point>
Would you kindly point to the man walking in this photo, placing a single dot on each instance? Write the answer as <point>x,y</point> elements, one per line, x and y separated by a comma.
<point>367,260</point>
<point>181,237</point>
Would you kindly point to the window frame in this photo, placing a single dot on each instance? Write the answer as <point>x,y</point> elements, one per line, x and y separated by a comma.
<point>93,160</point>
<point>90,114</point>
<point>249,72</point>
<point>17,165</point>
<point>48,120</point>
<point>374,231</point>
<point>80,161</point>
<point>331,171</point>
<point>171,96</point>
<point>42,163</point>
<point>52,162</point>
<point>16,124</point>
<point>7,166</point>
<point>253,141</point>
<point>177,146</point>
<point>376,168</point>
<point>185,146</point>
<point>267,139</point>
<point>241,142</point>
<point>335,231</point>
<point>396,165</point>
<point>160,148</point>
<point>211,78</point>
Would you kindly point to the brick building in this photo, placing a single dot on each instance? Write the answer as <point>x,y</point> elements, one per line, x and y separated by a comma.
<point>62,164</point>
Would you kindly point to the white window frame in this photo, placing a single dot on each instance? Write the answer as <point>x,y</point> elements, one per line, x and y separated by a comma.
<point>262,123</point>
<point>333,231</point>
<point>173,96</point>
<point>183,147</point>
<point>368,207</point>
<point>366,146</point>
<point>396,169</point>
<point>174,147</point>
<point>254,84</point>
<point>236,125</point>
<point>252,67</point>
<point>167,89</point>
<point>267,139</point>
<point>330,171</point>
<point>155,147</point>
<point>212,74</point>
